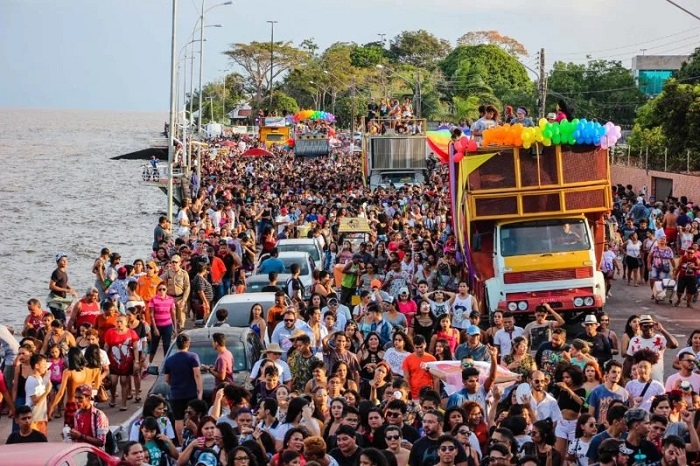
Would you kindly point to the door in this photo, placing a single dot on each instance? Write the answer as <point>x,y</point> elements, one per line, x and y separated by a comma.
<point>661,187</point>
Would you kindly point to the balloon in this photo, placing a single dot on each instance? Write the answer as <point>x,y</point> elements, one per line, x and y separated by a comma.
<point>604,143</point>
<point>458,145</point>
<point>556,139</point>
<point>542,123</point>
<point>527,144</point>
<point>547,142</point>
<point>471,145</point>
<point>458,157</point>
<point>547,133</point>
<point>290,142</point>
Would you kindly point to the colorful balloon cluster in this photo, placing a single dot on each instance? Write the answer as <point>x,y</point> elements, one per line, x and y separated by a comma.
<point>548,133</point>
<point>462,146</point>
<point>314,115</point>
<point>439,143</point>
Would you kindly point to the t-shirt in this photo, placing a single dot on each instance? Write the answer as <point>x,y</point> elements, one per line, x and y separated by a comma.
<point>224,363</point>
<point>34,437</point>
<point>343,460</point>
<point>635,389</point>
<point>181,367</point>
<point>37,386</point>
<point>645,448</point>
<point>154,452</point>
<point>459,398</point>
<point>657,343</point>
<point>121,350</point>
<point>673,381</point>
<point>504,339</point>
<point>60,278</point>
<point>419,378</point>
<point>578,449</point>
<point>600,398</point>
<point>538,333</point>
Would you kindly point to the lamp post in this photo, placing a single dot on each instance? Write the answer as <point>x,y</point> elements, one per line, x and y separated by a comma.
<point>272,56</point>
<point>171,133</point>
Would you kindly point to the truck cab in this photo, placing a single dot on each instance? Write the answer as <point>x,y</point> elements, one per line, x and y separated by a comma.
<point>274,130</point>
<point>531,227</point>
<point>394,158</point>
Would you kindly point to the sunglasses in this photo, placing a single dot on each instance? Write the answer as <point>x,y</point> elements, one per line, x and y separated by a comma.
<point>463,432</point>
<point>392,437</point>
<point>392,414</point>
<point>289,320</point>
<point>162,289</point>
<point>445,448</point>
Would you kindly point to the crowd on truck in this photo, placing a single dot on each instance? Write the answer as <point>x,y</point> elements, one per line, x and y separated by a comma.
<point>386,358</point>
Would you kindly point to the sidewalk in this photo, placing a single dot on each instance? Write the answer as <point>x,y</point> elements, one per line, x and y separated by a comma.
<point>116,418</point>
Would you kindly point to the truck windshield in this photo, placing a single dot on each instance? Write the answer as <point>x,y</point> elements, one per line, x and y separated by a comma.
<point>544,237</point>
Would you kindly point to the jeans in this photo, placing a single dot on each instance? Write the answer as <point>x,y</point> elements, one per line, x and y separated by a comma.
<point>166,333</point>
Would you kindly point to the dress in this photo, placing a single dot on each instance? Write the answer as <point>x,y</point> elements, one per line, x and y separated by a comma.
<point>524,367</point>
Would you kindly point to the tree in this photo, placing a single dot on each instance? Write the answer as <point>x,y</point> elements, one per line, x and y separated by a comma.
<point>368,55</point>
<point>502,72</point>
<point>254,59</point>
<point>507,43</point>
<point>419,48</point>
<point>690,70</point>
<point>601,89</point>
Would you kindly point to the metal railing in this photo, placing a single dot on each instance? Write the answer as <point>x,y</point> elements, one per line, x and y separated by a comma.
<point>159,174</point>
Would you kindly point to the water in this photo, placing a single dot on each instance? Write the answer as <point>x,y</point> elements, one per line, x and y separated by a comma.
<point>61,192</point>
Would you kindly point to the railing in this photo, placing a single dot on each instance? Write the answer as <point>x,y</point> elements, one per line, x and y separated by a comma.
<point>389,127</point>
<point>159,174</point>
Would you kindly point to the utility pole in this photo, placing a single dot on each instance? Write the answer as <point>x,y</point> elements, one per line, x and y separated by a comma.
<point>419,102</point>
<point>353,110</point>
<point>173,129</point>
<point>272,58</point>
<point>542,86</point>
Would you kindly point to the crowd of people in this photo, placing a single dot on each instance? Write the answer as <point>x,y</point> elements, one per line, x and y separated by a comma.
<point>387,363</point>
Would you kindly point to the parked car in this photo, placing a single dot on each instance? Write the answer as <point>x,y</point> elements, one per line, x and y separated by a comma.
<point>303,245</point>
<point>55,454</point>
<point>238,307</point>
<point>306,265</point>
<point>245,345</point>
<point>255,283</point>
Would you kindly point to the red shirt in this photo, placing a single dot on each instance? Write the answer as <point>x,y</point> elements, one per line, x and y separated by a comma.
<point>88,313</point>
<point>92,422</point>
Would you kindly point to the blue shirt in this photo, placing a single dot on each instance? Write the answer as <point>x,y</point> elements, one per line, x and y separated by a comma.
<point>181,367</point>
<point>273,264</point>
<point>600,398</point>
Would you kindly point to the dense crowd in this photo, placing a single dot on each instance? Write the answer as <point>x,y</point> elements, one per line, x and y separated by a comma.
<point>388,361</point>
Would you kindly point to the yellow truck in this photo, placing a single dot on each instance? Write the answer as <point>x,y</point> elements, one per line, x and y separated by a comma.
<point>274,130</point>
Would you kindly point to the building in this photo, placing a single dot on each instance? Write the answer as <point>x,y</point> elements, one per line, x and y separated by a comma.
<point>651,71</point>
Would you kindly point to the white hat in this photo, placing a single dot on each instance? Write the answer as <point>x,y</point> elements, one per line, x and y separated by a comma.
<point>645,319</point>
<point>590,319</point>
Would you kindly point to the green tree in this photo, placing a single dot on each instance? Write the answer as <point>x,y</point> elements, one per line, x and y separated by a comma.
<point>503,73</point>
<point>419,48</point>
<point>601,89</point>
<point>510,45</point>
<point>690,70</point>
<point>367,56</point>
<point>254,59</point>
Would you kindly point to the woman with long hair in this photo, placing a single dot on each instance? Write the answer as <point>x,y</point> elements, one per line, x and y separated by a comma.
<point>571,398</point>
<point>442,350</point>
<point>226,440</point>
<point>283,399</point>
<point>158,445</point>
<point>476,420</point>
<point>519,360</point>
<point>301,414</point>
<point>336,417</point>
<point>355,338</point>
<point>453,416</point>
<point>469,442</point>
<point>632,329</point>
<point>371,352</point>
<point>242,456</point>
<point>77,374</point>
<point>444,331</point>
<point>256,321</point>
<point>205,441</point>
<point>592,377</point>
<point>293,441</point>
<point>543,439</point>
<point>341,369</point>
<point>393,316</point>
<point>154,406</point>
<point>394,356</point>
<point>423,323</point>
<point>586,428</point>
<point>380,256</point>
<point>374,389</point>
<point>121,344</point>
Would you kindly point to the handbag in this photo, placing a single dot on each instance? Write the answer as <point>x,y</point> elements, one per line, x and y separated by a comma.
<point>102,394</point>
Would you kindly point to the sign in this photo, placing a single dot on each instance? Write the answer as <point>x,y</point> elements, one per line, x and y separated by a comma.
<point>275,122</point>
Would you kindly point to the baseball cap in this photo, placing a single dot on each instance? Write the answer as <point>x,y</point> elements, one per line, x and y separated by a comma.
<point>403,290</point>
<point>375,284</point>
<point>84,389</point>
<point>473,330</point>
<point>60,256</point>
<point>207,458</point>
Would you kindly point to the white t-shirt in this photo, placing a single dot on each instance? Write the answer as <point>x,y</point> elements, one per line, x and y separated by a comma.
<point>504,340</point>
<point>461,308</point>
<point>395,360</point>
<point>282,367</point>
<point>673,381</point>
<point>633,249</point>
<point>283,221</point>
<point>36,386</point>
<point>635,388</point>
<point>657,343</point>
<point>579,450</point>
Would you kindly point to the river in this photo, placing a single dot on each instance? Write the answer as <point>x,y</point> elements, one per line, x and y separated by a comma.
<point>61,193</point>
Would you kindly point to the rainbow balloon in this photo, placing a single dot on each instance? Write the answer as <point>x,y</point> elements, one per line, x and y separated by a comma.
<point>314,115</point>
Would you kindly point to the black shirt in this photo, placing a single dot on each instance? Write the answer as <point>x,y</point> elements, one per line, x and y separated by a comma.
<point>600,347</point>
<point>425,453</point>
<point>61,279</point>
<point>34,437</point>
<point>343,460</point>
<point>646,448</point>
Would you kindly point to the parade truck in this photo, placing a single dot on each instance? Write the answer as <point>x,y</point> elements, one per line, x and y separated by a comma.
<point>274,130</point>
<point>312,145</point>
<point>394,158</point>
<point>530,226</point>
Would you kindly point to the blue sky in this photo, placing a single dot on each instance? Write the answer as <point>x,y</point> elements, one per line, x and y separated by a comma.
<point>109,54</point>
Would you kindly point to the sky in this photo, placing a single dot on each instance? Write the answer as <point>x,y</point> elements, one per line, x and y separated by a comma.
<point>115,54</point>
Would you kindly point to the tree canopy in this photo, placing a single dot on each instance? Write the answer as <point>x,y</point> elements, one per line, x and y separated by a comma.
<point>419,48</point>
<point>507,43</point>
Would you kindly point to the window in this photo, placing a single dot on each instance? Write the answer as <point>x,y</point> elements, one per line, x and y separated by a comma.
<point>544,237</point>
<point>310,248</point>
<point>303,266</point>
<point>87,458</point>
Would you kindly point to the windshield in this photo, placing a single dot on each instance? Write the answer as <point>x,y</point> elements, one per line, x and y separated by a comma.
<point>309,248</point>
<point>275,137</point>
<point>288,261</point>
<point>544,237</point>
<point>207,354</point>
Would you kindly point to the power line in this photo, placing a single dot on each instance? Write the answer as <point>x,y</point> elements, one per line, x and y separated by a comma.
<point>683,9</point>
<point>628,46</point>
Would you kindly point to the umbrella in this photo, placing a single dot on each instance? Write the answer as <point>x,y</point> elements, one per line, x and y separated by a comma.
<point>257,152</point>
<point>228,143</point>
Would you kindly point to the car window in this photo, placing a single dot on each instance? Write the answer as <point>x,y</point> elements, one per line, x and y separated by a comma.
<point>239,312</point>
<point>303,265</point>
<point>207,354</point>
<point>87,458</point>
<point>311,249</point>
<point>255,287</point>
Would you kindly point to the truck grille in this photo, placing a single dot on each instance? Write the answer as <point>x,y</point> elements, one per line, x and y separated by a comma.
<point>513,278</point>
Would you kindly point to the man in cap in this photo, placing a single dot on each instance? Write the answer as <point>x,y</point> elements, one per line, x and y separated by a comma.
<point>273,352</point>
<point>654,337</point>
<point>472,349</point>
<point>178,282</point>
<point>637,422</point>
<point>599,343</point>
<point>90,425</point>
<point>301,361</point>
<point>59,287</point>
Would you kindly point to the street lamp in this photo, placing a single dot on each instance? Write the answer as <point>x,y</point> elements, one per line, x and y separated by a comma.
<point>272,57</point>
<point>415,86</point>
<point>171,132</point>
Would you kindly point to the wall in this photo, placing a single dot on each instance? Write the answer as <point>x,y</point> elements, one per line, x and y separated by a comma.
<point>683,185</point>
<point>657,62</point>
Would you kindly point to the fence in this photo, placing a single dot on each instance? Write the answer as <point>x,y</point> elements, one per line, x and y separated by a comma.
<point>655,159</point>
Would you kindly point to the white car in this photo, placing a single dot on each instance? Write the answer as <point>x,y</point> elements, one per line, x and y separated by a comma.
<point>303,245</point>
<point>306,264</point>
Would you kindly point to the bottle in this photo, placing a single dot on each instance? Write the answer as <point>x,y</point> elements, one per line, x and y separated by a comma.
<point>639,459</point>
<point>66,434</point>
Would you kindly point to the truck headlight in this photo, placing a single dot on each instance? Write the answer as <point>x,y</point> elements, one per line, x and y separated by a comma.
<point>512,306</point>
<point>588,301</point>
<point>578,302</point>
<point>522,306</point>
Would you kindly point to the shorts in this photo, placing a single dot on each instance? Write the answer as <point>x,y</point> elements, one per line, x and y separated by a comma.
<point>632,263</point>
<point>179,407</point>
<point>686,284</point>
<point>656,274</point>
<point>56,386</point>
<point>566,430</point>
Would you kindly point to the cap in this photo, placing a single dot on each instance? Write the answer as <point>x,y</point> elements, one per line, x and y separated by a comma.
<point>551,116</point>
<point>590,319</point>
<point>283,211</point>
<point>388,299</point>
<point>207,458</point>
<point>685,386</point>
<point>60,256</point>
<point>121,273</point>
<point>296,334</point>
<point>645,319</point>
<point>84,389</point>
<point>403,290</point>
<point>273,348</point>
<point>333,301</point>
<point>375,284</point>
<point>473,330</point>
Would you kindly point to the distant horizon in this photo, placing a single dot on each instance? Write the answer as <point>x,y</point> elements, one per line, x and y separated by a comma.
<point>166,112</point>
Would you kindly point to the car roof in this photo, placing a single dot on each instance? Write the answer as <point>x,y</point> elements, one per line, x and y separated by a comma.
<point>245,298</point>
<point>293,254</point>
<point>40,453</point>
<point>296,241</point>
